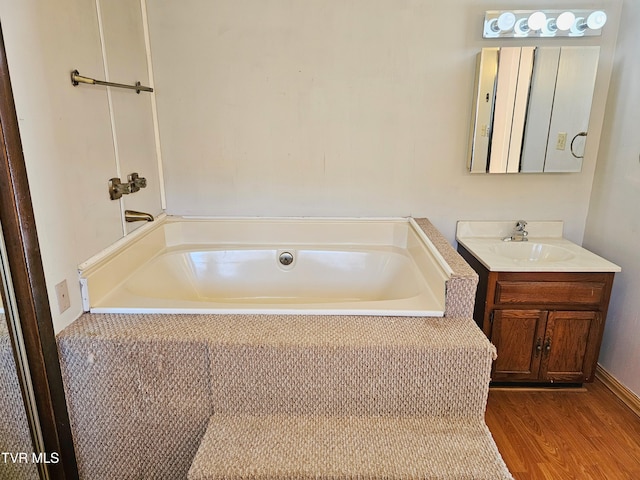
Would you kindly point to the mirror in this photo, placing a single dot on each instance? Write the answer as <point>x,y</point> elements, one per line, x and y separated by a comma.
<point>531,109</point>
<point>15,440</point>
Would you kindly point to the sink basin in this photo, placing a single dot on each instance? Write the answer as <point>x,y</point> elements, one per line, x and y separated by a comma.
<point>546,251</point>
<point>532,252</point>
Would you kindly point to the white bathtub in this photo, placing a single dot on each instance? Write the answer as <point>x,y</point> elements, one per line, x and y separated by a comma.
<point>338,267</point>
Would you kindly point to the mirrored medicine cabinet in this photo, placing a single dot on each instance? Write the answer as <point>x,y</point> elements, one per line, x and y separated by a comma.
<point>531,109</point>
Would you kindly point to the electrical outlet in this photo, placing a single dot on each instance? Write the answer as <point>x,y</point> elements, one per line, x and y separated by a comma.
<point>561,143</point>
<point>62,293</point>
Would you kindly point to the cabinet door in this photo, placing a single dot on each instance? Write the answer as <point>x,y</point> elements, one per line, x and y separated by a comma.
<point>518,336</point>
<point>571,108</point>
<point>570,346</point>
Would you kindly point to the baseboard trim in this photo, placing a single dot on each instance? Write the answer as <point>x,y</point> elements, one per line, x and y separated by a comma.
<point>629,398</point>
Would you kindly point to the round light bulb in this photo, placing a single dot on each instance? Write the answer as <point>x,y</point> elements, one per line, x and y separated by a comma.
<point>549,29</point>
<point>578,28</point>
<point>506,21</point>
<point>537,20</point>
<point>491,28</point>
<point>596,20</point>
<point>565,21</point>
<point>521,28</point>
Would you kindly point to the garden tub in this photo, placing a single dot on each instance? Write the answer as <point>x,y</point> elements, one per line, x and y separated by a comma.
<point>269,265</point>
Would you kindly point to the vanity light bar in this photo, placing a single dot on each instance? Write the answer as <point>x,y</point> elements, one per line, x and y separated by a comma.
<point>543,23</point>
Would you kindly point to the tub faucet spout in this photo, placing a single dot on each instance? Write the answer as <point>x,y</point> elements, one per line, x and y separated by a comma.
<point>133,216</point>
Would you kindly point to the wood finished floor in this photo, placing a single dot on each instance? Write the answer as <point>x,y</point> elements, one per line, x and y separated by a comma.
<point>585,434</point>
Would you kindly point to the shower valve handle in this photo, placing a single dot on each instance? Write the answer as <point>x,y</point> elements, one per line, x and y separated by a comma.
<point>136,182</point>
<point>117,188</point>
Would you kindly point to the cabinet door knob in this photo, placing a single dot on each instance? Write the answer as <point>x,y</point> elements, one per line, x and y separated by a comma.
<point>538,347</point>
<point>547,346</point>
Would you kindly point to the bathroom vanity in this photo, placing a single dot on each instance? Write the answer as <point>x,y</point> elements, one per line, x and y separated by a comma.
<point>542,302</point>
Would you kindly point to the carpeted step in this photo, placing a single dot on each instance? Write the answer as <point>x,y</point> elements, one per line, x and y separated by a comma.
<point>365,447</point>
<point>141,388</point>
<point>350,366</point>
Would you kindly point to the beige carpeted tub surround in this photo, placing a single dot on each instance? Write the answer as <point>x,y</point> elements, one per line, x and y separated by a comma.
<point>142,391</point>
<point>14,428</point>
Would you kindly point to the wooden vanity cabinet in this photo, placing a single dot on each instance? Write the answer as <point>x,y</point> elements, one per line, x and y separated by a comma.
<point>547,326</point>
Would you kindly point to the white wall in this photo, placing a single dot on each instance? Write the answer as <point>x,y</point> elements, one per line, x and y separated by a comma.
<point>345,108</point>
<point>613,226</point>
<point>126,58</point>
<point>267,107</point>
<point>66,131</point>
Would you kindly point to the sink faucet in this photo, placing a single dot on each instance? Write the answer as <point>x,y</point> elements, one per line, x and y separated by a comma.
<point>133,216</point>
<point>519,233</point>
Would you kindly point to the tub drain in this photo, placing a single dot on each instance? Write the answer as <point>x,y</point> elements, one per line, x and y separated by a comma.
<point>286,258</point>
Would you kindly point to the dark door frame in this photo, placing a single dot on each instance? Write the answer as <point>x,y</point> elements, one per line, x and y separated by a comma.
<point>32,303</point>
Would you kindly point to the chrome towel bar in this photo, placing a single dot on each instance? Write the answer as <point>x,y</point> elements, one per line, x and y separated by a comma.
<point>76,79</point>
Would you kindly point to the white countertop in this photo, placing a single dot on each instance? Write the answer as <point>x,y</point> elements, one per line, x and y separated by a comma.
<point>545,251</point>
